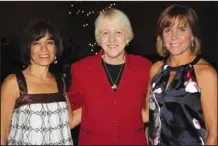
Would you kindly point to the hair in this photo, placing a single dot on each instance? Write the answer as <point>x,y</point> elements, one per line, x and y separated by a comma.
<point>113,13</point>
<point>36,30</point>
<point>186,16</point>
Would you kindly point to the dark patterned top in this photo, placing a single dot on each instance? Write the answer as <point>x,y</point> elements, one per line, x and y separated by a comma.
<point>40,119</point>
<point>176,116</point>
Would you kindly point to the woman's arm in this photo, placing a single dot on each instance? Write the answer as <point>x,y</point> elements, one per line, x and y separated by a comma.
<point>145,110</point>
<point>74,116</point>
<point>77,114</point>
<point>9,94</point>
<point>207,79</point>
<point>153,71</point>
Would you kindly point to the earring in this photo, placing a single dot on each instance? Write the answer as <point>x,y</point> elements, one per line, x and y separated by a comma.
<point>55,60</point>
<point>192,43</point>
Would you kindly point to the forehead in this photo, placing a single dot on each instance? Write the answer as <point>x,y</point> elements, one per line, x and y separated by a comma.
<point>178,21</point>
<point>111,23</point>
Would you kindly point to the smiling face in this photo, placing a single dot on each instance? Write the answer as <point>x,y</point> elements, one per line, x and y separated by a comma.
<point>178,31</point>
<point>42,51</point>
<point>177,38</point>
<point>113,37</point>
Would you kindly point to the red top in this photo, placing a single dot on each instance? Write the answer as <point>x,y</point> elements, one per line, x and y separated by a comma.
<point>108,117</point>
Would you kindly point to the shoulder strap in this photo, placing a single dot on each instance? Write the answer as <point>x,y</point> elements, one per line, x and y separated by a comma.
<point>197,58</point>
<point>21,83</point>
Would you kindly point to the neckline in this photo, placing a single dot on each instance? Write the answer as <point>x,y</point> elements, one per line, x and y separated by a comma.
<point>174,68</point>
<point>46,94</point>
<point>111,68</point>
<point>115,65</point>
<point>125,73</point>
<point>25,88</point>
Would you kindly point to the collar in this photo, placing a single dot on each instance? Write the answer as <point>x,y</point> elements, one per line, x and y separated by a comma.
<point>125,54</point>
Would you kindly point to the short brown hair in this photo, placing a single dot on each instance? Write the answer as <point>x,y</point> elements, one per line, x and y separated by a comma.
<point>187,16</point>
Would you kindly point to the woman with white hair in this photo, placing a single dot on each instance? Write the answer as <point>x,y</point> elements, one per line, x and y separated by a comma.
<point>108,89</point>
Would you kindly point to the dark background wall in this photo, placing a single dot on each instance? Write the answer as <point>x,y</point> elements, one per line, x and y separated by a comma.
<point>143,15</point>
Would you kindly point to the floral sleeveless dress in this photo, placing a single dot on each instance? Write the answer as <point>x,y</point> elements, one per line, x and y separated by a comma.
<point>40,119</point>
<point>176,116</point>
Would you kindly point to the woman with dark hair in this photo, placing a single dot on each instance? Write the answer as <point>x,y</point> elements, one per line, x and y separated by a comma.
<point>34,106</point>
<point>183,87</point>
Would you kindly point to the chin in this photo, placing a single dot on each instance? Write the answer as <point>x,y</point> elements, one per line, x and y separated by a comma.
<point>42,62</point>
<point>45,63</point>
<point>176,53</point>
<point>114,55</point>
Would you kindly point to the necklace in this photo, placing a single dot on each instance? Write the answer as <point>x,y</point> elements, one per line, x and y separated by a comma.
<point>114,84</point>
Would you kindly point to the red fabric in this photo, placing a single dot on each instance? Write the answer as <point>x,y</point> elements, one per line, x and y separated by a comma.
<point>110,118</point>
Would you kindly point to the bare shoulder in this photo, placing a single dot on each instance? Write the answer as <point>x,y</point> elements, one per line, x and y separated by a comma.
<point>205,71</point>
<point>10,82</point>
<point>155,67</point>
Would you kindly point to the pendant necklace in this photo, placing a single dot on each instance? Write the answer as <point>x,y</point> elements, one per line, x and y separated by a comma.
<point>114,84</point>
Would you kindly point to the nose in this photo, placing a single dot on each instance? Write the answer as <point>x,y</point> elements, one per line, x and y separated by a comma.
<point>174,35</point>
<point>44,47</point>
<point>111,38</point>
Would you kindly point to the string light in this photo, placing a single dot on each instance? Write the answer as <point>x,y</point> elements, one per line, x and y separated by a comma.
<point>84,13</point>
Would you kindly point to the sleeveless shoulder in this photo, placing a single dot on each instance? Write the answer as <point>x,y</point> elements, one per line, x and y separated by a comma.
<point>204,70</point>
<point>156,68</point>
<point>10,79</point>
<point>21,81</point>
<point>9,83</point>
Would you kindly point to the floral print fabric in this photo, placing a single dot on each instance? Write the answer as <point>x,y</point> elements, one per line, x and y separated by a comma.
<point>176,116</point>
